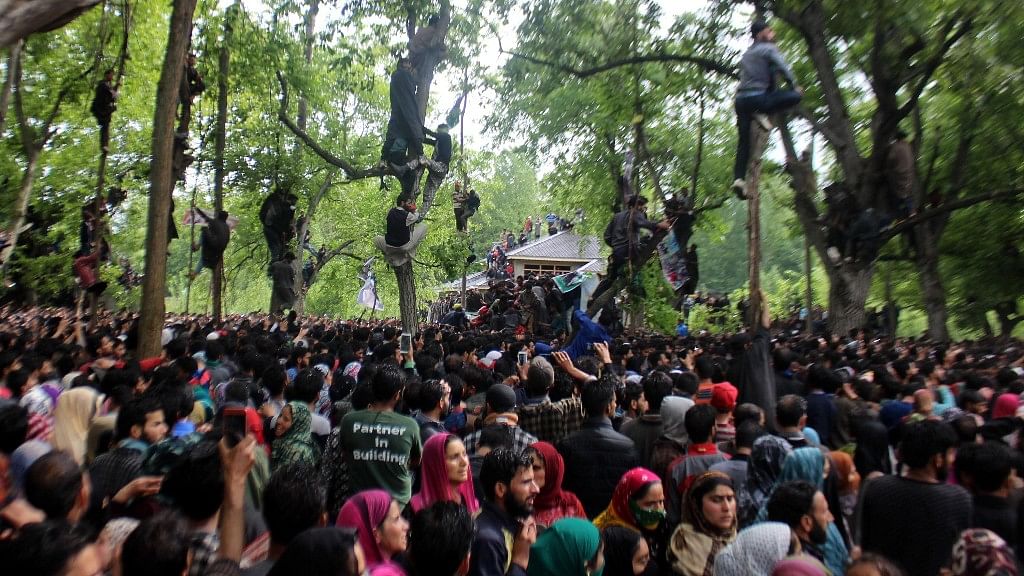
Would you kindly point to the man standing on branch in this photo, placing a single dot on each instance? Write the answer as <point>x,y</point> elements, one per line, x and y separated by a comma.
<point>623,235</point>
<point>283,275</point>
<point>276,215</point>
<point>757,96</point>
<point>404,137</point>
<point>437,165</point>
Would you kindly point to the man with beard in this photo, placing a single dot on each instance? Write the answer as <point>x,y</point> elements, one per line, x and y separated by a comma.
<point>506,516</point>
<point>914,519</point>
<point>804,509</point>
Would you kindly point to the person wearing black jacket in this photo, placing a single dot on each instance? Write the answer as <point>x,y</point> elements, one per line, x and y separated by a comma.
<point>104,103</point>
<point>751,370</point>
<point>283,275</point>
<point>404,138</point>
<point>403,234</point>
<point>597,456</point>
<point>213,240</point>
<point>437,165</point>
<point>276,214</point>
<point>623,235</point>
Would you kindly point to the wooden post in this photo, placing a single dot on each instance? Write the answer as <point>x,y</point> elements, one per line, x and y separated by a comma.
<point>220,139</point>
<point>758,141</point>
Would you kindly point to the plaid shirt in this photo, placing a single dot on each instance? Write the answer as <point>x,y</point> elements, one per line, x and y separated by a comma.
<point>552,421</point>
<point>204,552</point>
<point>521,440</point>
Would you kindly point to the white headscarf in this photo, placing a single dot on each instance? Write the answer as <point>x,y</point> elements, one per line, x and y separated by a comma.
<point>673,415</point>
<point>755,550</point>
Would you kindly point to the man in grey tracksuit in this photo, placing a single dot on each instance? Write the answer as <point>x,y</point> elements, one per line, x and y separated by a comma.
<point>757,96</point>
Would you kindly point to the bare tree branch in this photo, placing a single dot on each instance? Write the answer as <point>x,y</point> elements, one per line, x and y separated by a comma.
<point>351,172</point>
<point>704,63</point>
<point>950,38</point>
<point>946,208</point>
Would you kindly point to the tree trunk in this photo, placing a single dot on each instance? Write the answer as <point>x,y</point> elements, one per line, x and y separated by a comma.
<point>13,56</point>
<point>932,290</point>
<point>220,139</point>
<point>307,49</point>
<point>21,19</point>
<point>407,297</point>
<point>758,140</point>
<point>20,206</point>
<point>161,182</point>
<point>847,294</point>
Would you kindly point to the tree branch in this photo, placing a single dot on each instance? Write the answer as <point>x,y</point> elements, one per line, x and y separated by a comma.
<point>950,38</point>
<point>946,208</point>
<point>699,61</point>
<point>351,172</point>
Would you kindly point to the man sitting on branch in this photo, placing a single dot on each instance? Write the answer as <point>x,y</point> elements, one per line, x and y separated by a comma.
<point>404,233</point>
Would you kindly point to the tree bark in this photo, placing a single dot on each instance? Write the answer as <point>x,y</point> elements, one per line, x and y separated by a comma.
<point>848,291</point>
<point>22,19</point>
<point>220,141</point>
<point>161,182</point>
<point>307,53</point>
<point>20,205</point>
<point>933,293</point>
<point>758,141</point>
<point>13,57</point>
<point>407,296</point>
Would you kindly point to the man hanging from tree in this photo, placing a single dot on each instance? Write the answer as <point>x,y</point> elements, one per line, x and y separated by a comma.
<point>436,165</point>
<point>404,138</point>
<point>757,96</point>
<point>277,214</point>
<point>403,234</point>
<point>86,268</point>
<point>104,103</point>
<point>213,240</point>
<point>282,274</point>
<point>623,235</point>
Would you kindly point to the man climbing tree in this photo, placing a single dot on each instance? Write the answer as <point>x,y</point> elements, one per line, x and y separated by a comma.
<point>104,103</point>
<point>282,273</point>
<point>276,215</point>
<point>213,240</point>
<point>426,38</point>
<point>404,232</point>
<point>757,97</point>
<point>404,138</point>
<point>436,165</point>
<point>900,177</point>
<point>86,268</point>
<point>623,235</point>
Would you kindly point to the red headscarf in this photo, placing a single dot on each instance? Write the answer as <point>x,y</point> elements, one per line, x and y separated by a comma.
<point>630,483</point>
<point>434,483</point>
<point>1006,406</point>
<point>365,511</point>
<point>552,495</point>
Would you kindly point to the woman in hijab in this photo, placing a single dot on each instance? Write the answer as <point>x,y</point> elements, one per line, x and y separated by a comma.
<point>980,552</point>
<point>847,485</point>
<point>625,552</point>
<point>808,464</point>
<point>570,547</point>
<point>378,521</point>
<point>708,526</point>
<point>75,412</point>
<point>801,565</point>
<point>322,552</point>
<point>871,456</point>
<point>445,474</point>
<point>294,431</point>
<point>638,503</point>
<point>552,503</point>
<point>756,550</point>
<point>672,442</point>
<point>763,469</point>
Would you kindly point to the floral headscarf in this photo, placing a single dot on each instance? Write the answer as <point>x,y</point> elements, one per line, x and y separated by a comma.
<point>980,552</point>
<point>296,445</point>
<point>763,469</point>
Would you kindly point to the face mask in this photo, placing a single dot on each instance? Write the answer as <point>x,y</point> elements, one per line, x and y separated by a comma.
<point>646,518</point>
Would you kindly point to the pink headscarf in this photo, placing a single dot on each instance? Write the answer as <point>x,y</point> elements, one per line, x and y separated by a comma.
<point>1006,406</point>
<point>365,511</point>
<point>434,483</point>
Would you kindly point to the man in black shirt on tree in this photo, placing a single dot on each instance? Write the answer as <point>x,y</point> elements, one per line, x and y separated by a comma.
<point>104,103</point>
<point>404,138</point>
<point>437,166</point>
<point>282,273</point>
<point>403,234</point>
<point>623,235</point>
<point>213,240</point>
<point>914,519</point>
<point>276,214</point>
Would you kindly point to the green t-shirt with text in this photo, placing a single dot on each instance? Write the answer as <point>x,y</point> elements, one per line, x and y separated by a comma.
<point>379,447</point>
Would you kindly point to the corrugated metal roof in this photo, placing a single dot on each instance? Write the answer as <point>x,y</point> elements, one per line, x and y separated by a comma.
<point>561,246</point>
<point>475,280</point>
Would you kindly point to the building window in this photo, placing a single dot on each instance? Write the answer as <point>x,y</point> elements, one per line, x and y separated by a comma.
<point>552,269</point>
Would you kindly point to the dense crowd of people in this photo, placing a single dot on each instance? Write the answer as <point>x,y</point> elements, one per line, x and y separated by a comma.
<point>258,445</point>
